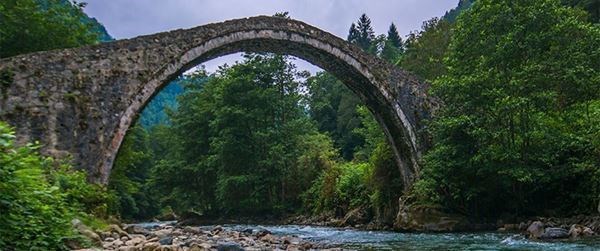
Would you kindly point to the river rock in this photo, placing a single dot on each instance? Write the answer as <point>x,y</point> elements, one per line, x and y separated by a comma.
<point>269,238</point>
<point>216,230</point>
<point>229,246</point>
<point>150,246</point>
<point>135,229</point>
<point>135,240</point>
<point>577,230</point>
<point>166,241</point>
<point>161,233</point>
<point>112,228</point>
<point>262,232</point>
<point>201,246</point>
<point>117,243</point>
<point>129,248</point>
<point>426,218</point>
<point>555,233</point>
<point>535,230</point>
<point>191,230</point>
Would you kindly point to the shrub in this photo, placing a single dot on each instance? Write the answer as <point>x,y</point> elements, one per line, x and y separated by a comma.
<point>38,197</point>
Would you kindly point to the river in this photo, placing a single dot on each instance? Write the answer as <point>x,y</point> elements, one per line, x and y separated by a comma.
<point>383,240</point>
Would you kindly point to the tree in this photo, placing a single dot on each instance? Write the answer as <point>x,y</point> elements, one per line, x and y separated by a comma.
<point>353,34</point>
<point>393,46</point>
<point>333,107</point>
<point>514,116</point>
<point>426,49</point>
<point>37,25</point>
<point>453,14</point>
<point>393,37</point>
<point>362,33</point>
<point>591,6</point>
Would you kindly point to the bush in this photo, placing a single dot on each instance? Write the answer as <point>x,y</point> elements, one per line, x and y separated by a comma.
<point>38,197</point>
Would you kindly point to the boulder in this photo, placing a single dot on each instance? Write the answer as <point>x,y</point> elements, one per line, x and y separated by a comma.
<point>116,229</point>
<point>129,248</point>
<point>555,233</point>
<point>117,243</point>
<point>427,218</point>
<point>135,240</point>
<point>229,246</point>
<point>191,230</point>
<point>216,230</point>
<point>87,232</point>
<point>150,246</point>
<point>535,230</point>
<point>162,233</point>
<point>356,216</point>
<point>201,246</point>
<point>135,229</point>
<point>262,232</point>
<point>575,231</point>
<point>269,238</point>
<point>588,231</point>
<point>166,241</point>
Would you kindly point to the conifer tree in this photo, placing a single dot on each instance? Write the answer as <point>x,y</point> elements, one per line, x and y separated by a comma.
<point>365,32</point>
<point>353,34</point>
<point>393,37</point>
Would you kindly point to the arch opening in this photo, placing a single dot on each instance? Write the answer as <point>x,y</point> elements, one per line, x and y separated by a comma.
<point>355,75</point>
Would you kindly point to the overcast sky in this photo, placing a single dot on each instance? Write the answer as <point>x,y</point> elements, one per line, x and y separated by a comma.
<point>131,18</point>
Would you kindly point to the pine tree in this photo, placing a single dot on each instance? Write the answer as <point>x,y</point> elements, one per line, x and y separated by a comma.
<point>393,37</point>
<point>353,34</point>
<point>365,32</point>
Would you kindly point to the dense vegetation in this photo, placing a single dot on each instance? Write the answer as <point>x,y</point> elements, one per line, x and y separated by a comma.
<point>39,25</point>
<point>40,196</point>
<point>519,129</point>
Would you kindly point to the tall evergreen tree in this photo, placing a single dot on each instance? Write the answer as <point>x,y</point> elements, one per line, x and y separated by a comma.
<point>393,37</point>
<point>353,34</point>
<point>392,46</point>
<point>365,33</point>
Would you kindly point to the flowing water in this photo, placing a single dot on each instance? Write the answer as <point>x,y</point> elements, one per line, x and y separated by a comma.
<point>384,240</point>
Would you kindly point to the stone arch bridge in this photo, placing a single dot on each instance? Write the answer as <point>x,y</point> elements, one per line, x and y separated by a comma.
<point>80,102</point>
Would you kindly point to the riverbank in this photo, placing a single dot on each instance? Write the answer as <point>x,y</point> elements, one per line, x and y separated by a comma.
<point>170,236</point>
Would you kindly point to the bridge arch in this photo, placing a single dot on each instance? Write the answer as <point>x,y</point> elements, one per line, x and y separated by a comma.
<point>117,79</point>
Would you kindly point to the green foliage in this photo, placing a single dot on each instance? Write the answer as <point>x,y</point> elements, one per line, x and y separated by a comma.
<point>239,143</point>
<point>333,107</point>
<point>393,46</point>
<point>591,6</point>
<point>131,197</point>
<point>517,112</point>
<point>37,25</point>
<point>362,33</point>
<point>339,188</point>
<point>426,49</point>
<point>453,14</point>
<point>155,112</point>
<point>39,197</point>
